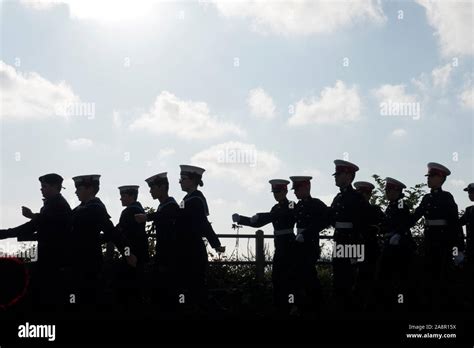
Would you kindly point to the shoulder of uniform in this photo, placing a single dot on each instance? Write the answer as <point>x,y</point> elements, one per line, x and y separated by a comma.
<point>194,199</point>
<point>132,209</point>
<point>198,202</point>
<point>171,204</point>
<point>317,202</point>
<point>447,194</point>
<point>96,205</point>
<point>62,202</point>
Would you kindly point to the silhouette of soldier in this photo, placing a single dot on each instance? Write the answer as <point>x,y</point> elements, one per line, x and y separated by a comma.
<point>166,253</point>
<point>311,218</point>
<point>394,275</point>
<point>443,236</point>
<point>283,219</point>
<point>89,218</point>
<point>350,216</point>
<point>468,220</point>
<point>193,225</point>
<point>367,268</point>
<point>130,279</point>
<point>51,228</point>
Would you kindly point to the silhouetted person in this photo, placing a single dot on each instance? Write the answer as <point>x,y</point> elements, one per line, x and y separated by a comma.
<point>282,218</point>
<point>130,279</point>
<point>442,234</point>
<point>90,217</point>
<point>395,275</point>
<point>468,220</point>
<point>311,217</point>
<point>350,216</point>
<point>366,273</point>
<point>51,227</point>
<point>166,253</point>
<point>193,225</point>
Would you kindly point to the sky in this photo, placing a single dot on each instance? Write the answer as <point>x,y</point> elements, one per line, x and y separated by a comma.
<point>248,90</point>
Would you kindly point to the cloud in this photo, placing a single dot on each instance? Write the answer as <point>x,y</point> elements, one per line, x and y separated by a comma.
<point>30,96</point>
<point>453,22</point>
<point>184,118</point>
<point>457,183</point>
<point>315,173</point>
<point>261,104</point>
<point>117,120</point>
<point>399,132</point>
<point>242,163</point>
<point>79,144</point>
<point>441,75</point>
<point>302,17</point>
<point>335,104</point>
<point>393,93</point>
<point>467,97</point>
<point>166,152</point>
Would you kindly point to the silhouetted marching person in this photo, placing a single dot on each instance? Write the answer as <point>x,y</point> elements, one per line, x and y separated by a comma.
<point>192,227</point>
<point>283,219</point>
<point>166,248</point>
<point>467,219</point>
<point>130,279</point>
<point>366,271</point>
<point>51,227</point>
<point>350,216</point>
<point>89,218</point>
<point>442,239</point>
<point>395,280</point>
<point>311,218</point>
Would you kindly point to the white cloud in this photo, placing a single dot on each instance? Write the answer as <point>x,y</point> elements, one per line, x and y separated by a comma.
<point>261,104</point>
<point>453,22</point>
<point>467,97</point>
<point>166,152</point>
<point>302,17</point>
<point>335,104</point>
<point>441,75</point>
<point>30,96</point>
<point>228,205</point>
<point>399,132</point>
<point>393,93</point>
<point>117,119</point>
<point>240,162</point>
<point>184,118</point>
<point>315,173</point>
<point>79,144</point>
<point>457,183</point>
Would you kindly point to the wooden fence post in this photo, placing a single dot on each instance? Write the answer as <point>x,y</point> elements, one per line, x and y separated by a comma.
<point>259,255</point>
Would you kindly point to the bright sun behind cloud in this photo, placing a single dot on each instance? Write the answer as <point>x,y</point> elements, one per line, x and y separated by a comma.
<point>108,11</point>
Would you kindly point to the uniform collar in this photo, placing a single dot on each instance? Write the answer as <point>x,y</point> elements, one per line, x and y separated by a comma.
<point>93,200</point>
<point>284,202</point>
<point>135,204</point>
<point>437,190</point>
<point>167,200</point>
<point>195,192</point>
<point>346,189</point>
